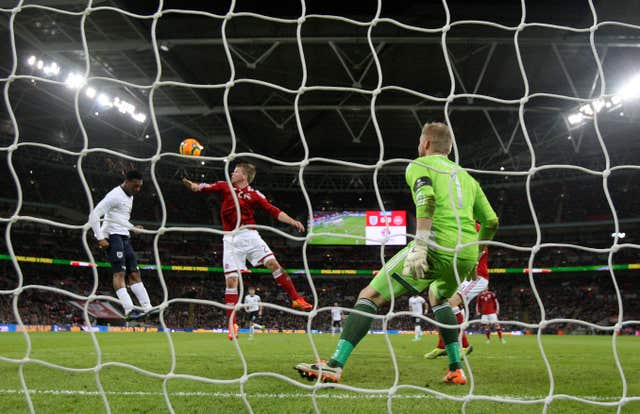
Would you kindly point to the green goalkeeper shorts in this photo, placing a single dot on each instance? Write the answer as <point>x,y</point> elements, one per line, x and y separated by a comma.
<point>440,278</point>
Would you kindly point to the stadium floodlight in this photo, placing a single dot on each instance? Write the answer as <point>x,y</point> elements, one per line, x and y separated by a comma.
<point>40,64</point>
<point>31,61</point>
<point>74,80</point>
<point>575,119</point>
<point>90,92</point>
<point>140,117</point>
<point>104,100</point>
<point>631,90</point>
<point>620,235</point>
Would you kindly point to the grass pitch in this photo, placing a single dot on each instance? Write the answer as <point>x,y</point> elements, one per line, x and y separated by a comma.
<point>582,366</point>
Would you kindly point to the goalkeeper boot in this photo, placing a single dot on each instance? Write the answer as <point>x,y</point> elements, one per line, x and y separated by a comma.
<point>311,371</point>
<point>233,331</point>
<point>301,304</point>
<point>437,352</point>
<point>455,377</point>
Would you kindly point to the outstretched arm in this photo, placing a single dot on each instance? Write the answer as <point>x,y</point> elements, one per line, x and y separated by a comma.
<point>191,185</point>
<point>285,218</point>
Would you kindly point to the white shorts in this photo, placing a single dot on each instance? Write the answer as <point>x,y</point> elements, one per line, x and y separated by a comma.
<point>470,289</point>
<point>244,245</point>
<point>490,318</point>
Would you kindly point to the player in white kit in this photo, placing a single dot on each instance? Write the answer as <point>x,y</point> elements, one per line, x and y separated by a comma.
<point>416,305</point>
<point>254,309</point>
<point>113,236</point>
<point>336,319</point>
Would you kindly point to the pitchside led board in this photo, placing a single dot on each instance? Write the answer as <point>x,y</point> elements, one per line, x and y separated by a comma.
<point>371,224</point>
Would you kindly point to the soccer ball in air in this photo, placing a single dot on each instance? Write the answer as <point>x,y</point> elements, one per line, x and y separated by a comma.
<point>191,146</point>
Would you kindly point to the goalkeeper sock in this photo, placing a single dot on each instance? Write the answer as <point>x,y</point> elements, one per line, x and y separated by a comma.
<point>139,290</point>
<point>355,328</point>
<point>230,299</point>
<point>284,281</point>
<point>125,299</point>
<point>444,315</point>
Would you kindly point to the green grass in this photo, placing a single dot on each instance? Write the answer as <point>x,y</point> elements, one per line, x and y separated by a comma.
<point>582,365</point>
<point>352,225</point>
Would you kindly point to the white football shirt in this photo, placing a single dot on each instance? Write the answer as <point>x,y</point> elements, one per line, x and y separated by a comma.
<point>416,304</point>
<point>336,314</point>
<point>116,208</point>
<point>253,302</point>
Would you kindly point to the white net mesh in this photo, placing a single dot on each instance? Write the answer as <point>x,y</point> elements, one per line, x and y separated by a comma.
<point>374,169</point>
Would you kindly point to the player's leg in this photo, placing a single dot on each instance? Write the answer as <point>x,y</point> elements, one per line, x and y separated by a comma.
<point>116,257</point>
<point>467,292</point>
<point>377,293</point>
<point>283,280</point>
<point>441,268</point>
<point>333,328</point>
<point>417,330</point>
<point>233,261</point>
<point>487,327</point>
<point>498,328</point>
<point>135,281</point>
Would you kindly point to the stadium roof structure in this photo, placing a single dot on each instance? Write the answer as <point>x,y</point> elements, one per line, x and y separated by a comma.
<point>337,124</point>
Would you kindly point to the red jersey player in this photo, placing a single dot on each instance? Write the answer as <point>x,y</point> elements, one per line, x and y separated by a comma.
<point>487,305</point>
<point>467,291</point>
<point>246,244</point>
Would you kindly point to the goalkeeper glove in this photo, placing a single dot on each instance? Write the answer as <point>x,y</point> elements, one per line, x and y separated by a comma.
<point>416,263</point>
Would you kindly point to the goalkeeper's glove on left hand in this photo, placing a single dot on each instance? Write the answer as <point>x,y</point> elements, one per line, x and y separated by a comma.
<point>416,263</point>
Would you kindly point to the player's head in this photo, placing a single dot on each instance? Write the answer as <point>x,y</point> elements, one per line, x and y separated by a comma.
<point>133,182</point>
<point>244,172</point>
<point>435,139</point>
<point>252,291</point>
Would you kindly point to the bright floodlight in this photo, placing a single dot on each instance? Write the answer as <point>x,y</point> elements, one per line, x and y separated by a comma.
<point>104,100</point>
<point>31,61</point>
<point>40,64</point>
<point>631,90</point>
<point>90,92</point>
<point>575,119</point>
<point>55,69</point>
<point>140,117</point>
<point>75,81</point>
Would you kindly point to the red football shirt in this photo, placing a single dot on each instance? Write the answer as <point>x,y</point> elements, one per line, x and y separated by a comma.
<point>487,303</point>
<point>249,199</point>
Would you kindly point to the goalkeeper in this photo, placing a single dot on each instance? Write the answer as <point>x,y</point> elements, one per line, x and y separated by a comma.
<point>441,191</point>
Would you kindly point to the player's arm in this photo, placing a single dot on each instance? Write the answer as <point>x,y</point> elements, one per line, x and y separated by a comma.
<point>259,307</point>
<point>94,221</point>
<point>497,306</point>
<point>486,216</point>
<point>425,201</point>
<point>285,218</point>
<point>478,305</point>
<point>203,187</point>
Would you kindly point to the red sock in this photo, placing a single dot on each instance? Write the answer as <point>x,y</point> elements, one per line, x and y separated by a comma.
<point>286,284</point>
<point>440,342</point>
<point>230,299</point>
<point>499,331</point>
<point>488,333</point>
<point>460,319</point>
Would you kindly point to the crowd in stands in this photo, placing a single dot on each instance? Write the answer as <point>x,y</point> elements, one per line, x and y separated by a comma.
<point>588,296</point>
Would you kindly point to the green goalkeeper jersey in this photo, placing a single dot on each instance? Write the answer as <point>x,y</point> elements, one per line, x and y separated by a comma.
<point>438,193</point>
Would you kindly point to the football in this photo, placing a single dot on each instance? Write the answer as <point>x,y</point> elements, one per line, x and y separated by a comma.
<point>191,146</point>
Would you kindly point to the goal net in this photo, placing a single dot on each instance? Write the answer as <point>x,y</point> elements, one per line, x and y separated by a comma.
<point>506,90</point>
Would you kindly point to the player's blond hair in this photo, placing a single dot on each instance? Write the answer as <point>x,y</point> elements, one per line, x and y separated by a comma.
<point>249,170</point>
<point>439,135</point>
